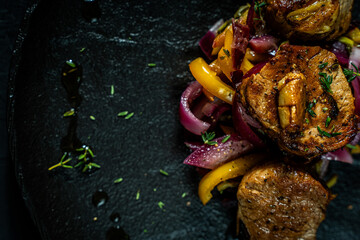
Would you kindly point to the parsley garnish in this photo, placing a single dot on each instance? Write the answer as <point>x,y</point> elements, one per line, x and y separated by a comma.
<point>323,65</point>
<point>71,63</point>
<point>350,74</point>
<point>326,134</point>
<point>328,120</point>
<point>226,52</point>
<point>163,172</point>
<point>118,180</point>
<point>161,205</point>
<point>151,64</point>
<point>225,139</point>
<point>309,108</point>
<point>326,81</point>
<point>207,137</point>
<point>258,6</point>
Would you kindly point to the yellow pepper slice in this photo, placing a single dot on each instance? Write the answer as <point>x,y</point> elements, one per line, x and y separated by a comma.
<point>354,35</point>
<point>246,65</point>
<point>347,41</point>
<point>225,60</point>
<point>210,81</point>
<point>226,171</point>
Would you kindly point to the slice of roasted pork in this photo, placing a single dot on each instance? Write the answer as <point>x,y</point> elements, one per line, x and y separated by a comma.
<point>309,20</point>
<point>279,201</point>
<point>302,100</point>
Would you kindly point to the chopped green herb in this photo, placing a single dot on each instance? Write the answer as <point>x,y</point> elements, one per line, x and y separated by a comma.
<point>151,65</point>
<point>207,137</point>
<point>226,52</point>
<point>112,90</point>
<point>225,138</point>
<point>328,120</point>
<point>325,109</point>
<point>350,146</point>
<point>306,149</point>
<point>163,172</point>
<point>124,113</point>
<point>309,108</point>
<point>326,81</point>
<point>323,65</point>
<point>258,6</point>
<point>307,121</point>
<point>145,230</point>
<point>71,63</point>
<point>161,205</point>
<point>326,134</point>
<point>92,117</point>
<point>154,189</point>
<point>184,195</point>
<point>69,113</point>
<point>83,49</point>
<point>137,195</point>
<point>129,115</point>
<point>119,180</point>
<point>350,74</point>
<point>222,57</point>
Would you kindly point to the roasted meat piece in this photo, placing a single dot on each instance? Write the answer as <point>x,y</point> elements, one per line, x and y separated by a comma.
<point>309,19</point>
<point>302,100</point>
<point>279,201</point>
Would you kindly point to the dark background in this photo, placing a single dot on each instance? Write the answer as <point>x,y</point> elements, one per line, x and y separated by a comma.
<point>15,220</point>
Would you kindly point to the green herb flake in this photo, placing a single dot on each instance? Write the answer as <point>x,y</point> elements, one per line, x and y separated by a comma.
<point>151,64</point>
<point>154,189</point>
<point>92,118</point>
<point>323,65</point>
<point>161,205</point>
<point>327,122</point>
<point>350,74</point>
<point>145,230</point>
<point>306,149</point>
<point>163,172</point>
<point>226,52</point>
<point>309,108</point>
<point>129,115</point>
<point>137,195</point>
<point>82,50</point>
<point>326,81</point>
<point>69,113</point>
<point>118,180</point>
<point>225,139</point>
<point>350,146</point>
<point>307,121</point>
<point>71,63</point>
<point>122,114</point>
<point>184,195</point>
<point>207,137</point>
<point>327,134</point>
<point>325,109</point>
<point>112,90</point>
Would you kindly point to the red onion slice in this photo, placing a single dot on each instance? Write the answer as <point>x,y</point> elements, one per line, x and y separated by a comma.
<point>256,69</point>
<point>339,49</point>
<point>212,156</point>
<point>263,44</point>
<point>187,118</point>
<point>242,127</point>
<point>340,155</point>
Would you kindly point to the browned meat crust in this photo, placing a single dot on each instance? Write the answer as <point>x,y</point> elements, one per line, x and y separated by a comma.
<point>309,19</point>
<point>305,130</point>
<point>278,201</point>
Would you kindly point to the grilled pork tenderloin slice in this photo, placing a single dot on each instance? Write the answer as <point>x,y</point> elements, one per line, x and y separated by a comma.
<point>309,20</point>
<point>279,201</point>
<point>302,100</point>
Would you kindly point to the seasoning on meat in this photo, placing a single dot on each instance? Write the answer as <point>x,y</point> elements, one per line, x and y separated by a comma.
<point>288,98</point>
<point>279,201</point>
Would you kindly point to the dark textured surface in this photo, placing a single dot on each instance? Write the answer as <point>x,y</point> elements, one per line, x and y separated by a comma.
<point>128,36</point>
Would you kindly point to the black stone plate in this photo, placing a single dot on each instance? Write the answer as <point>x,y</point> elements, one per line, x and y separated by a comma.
<point>118,47</point>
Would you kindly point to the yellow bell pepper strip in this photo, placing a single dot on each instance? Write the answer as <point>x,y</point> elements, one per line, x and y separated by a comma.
<point>225,59</point>
<point>354,34</point>
<point>226,171</point>
<point>347,41</point>
<point>246,65</point>
<point>210,81</point>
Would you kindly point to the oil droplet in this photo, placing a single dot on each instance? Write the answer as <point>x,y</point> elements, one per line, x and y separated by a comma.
<point>115,217</point>
<point>116,233</point>
<point>99,198</point>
